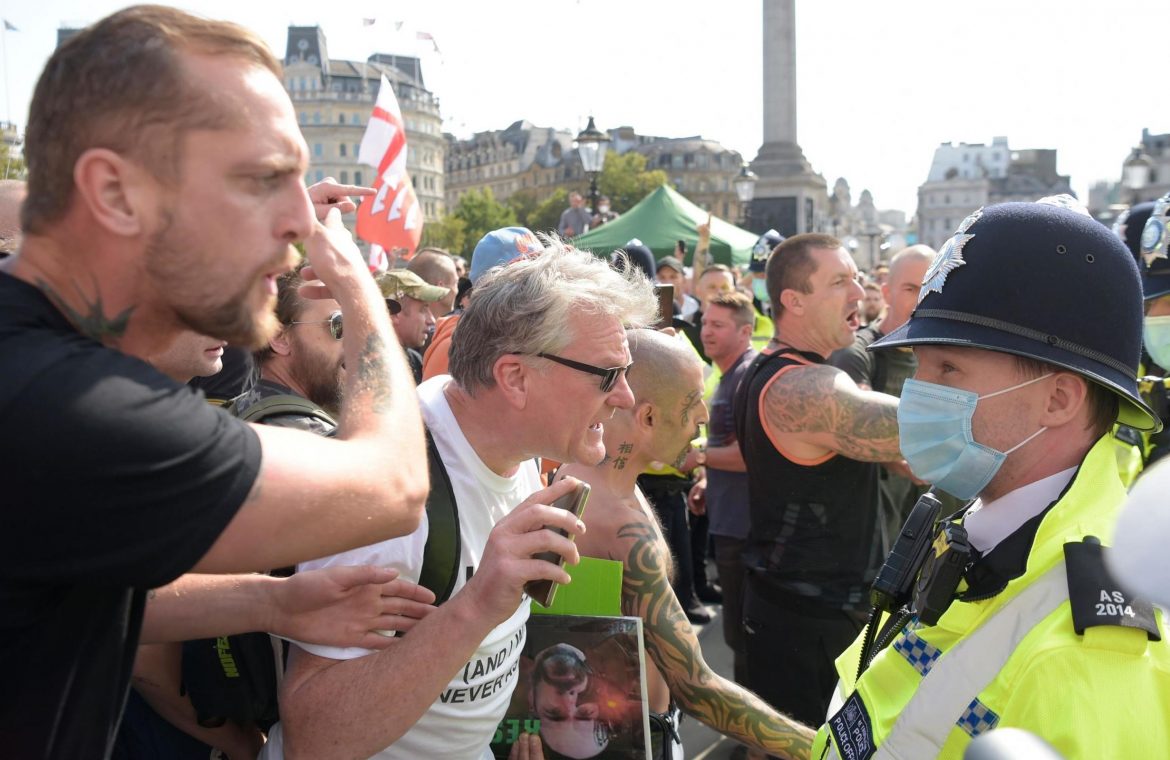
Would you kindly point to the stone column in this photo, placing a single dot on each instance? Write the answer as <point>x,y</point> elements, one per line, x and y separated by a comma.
<point>780,71</point>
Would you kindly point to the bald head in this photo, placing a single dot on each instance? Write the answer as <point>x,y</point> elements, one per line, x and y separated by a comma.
<point>664,368</point>
<point>436,267</point>
<point>12,193</point>
<point>907,271</point>
<point>914,255</point>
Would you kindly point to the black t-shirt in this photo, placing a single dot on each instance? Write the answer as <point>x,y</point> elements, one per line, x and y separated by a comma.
<point>116,480</point>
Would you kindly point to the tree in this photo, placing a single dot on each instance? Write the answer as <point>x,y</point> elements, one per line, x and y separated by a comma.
<point>481,213</point>
<point>523,203</point>
<point>546,216</point>
<point>448,233</point>
<point>625,180</point>
<point>11,163</point>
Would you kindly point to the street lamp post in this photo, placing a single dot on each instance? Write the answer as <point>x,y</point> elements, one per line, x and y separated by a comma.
<point>745,190</point>
<point>591,144</point>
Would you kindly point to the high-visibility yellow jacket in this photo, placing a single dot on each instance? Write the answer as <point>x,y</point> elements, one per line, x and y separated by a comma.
<point>1015,660</point>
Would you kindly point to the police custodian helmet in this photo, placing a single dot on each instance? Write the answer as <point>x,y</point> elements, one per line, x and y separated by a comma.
<point>1041,280</point>
<point>1155,270</point>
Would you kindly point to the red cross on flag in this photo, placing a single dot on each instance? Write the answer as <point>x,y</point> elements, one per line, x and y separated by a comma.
<point>390,220</point>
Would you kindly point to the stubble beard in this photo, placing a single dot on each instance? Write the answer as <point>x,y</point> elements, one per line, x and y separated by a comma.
<point>175,267</point>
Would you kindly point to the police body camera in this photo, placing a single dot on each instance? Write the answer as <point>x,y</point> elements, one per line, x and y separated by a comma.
<point>893,588</point>
<point>941,572</point>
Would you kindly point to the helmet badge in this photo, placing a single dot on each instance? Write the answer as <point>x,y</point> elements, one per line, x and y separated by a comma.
<point>949,258</point>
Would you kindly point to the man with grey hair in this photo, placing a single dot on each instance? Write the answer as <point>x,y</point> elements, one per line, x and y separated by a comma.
<point>885,370</point>
<point>538,365</point>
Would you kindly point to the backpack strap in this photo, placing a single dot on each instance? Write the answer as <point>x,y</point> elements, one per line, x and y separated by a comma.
<point>440,565</point>
<point>285,403</point>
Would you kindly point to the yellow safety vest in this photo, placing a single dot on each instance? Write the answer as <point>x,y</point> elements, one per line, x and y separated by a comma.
<point>762,333</point>
<point>1014,660</point>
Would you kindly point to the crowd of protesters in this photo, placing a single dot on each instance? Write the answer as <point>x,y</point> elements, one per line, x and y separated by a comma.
<point>752,459</point>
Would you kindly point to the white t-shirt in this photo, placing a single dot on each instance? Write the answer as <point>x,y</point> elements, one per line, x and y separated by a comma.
<point>463,720</point>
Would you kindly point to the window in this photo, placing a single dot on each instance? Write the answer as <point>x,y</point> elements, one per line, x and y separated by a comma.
<point>320,175</point>
<point>357,178</point>
<point>318,150</point>
<point>340,118</point>
<point>355,120</point>
<point>316,117</point>
<point>304,118</point>
<point>344,177</point>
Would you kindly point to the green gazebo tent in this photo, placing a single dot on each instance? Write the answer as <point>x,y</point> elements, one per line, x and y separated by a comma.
<point>663,218</point>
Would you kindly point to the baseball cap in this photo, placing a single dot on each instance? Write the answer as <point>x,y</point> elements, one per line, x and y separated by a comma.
<point>672,262</point>
<point>502,246</point>
<point>397,283</point>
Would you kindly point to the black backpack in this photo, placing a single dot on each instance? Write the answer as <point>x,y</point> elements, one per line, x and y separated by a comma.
<point>235,677</point>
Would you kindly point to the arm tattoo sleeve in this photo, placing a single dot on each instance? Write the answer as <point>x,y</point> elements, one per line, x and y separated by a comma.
<point>862,425</point>
<point>671,643</point>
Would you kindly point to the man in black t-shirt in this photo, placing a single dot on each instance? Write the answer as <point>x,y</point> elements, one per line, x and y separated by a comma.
<point>164,194</point>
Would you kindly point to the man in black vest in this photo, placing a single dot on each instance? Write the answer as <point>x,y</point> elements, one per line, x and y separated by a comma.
<point>885,370</point>
<point>811,439</point>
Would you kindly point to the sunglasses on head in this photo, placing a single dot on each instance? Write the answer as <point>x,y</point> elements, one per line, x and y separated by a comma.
<point>334,323</point>
<point>609,377</point>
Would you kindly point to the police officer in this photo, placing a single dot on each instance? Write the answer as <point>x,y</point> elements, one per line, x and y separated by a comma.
<point>1028,336</point>
<point>1150,253</point>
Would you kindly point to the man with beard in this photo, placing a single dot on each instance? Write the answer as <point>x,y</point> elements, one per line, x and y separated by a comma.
<point>303,361</point>
<point>667,380</point>
<point>164,193</point>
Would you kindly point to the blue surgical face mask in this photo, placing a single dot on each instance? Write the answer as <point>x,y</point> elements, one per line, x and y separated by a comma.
<point>1156,336</point>
<point>934,429</point>
<point>760,288</point>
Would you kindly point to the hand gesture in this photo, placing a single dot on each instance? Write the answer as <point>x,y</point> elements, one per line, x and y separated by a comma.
<point>345,606</point>
<point>333,257</point>
<point>704,230</point>
<point>697,498</point>
<point>328,194</point>
<point>508,562</point>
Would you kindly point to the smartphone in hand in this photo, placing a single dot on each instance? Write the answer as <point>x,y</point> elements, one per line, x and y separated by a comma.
<point>543,591</point>
<point>665,296</point>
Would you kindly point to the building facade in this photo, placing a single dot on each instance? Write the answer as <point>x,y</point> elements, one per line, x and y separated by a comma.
<point>525,157</point>
<point>334,99</point>
<point>967,177</point>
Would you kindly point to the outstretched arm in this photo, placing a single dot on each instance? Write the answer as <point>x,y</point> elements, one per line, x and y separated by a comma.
<point>332,606</point>
<point>821,406</point>
<point>725,706</point>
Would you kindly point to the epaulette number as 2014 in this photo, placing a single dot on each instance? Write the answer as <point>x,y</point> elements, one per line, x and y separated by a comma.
<point>1095,597</point>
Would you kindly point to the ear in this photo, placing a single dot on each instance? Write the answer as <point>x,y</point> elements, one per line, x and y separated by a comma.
<point>793,300</point>
<point>281,343</point>
<point>886,291</point>
<point>513,378</point>
<point>118,193</point>
<point>747,329</point>
<point>645,416</point>
<point>1067,399</point>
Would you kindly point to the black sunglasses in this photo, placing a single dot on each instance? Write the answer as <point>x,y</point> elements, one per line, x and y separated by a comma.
<point>609,377</point>
<point>334,322</point>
